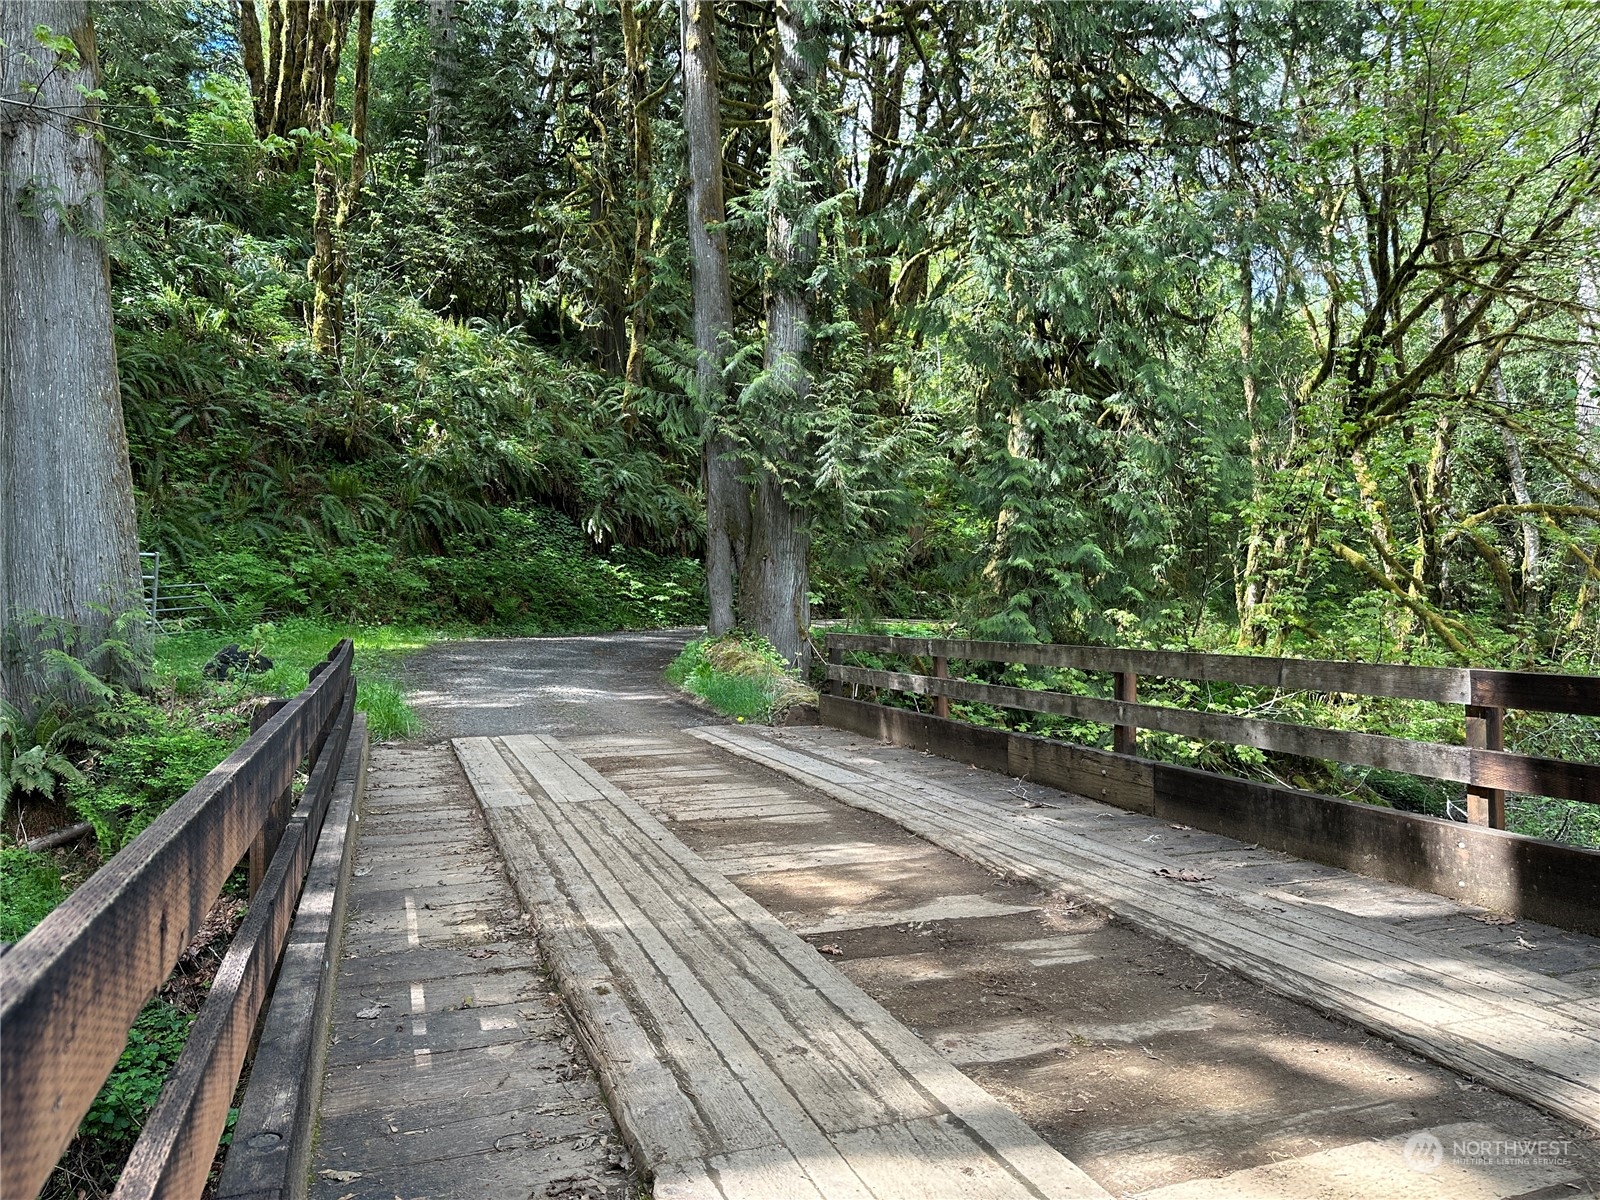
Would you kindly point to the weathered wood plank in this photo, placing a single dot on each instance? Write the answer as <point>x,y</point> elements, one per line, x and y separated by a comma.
<point>72,987</point>
<point>1375,976</point>
<point>660,1123</point>
<point>271,1149</point>
<point>1449,685</point>
<point>175,1149</point>
<point>699,972</point>
<point>1544,881</point>
<point>818,1057</point>
<point>1547,692</point>
<point>1543,691</point>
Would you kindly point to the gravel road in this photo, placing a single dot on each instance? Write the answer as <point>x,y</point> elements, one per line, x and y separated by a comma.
<point>598,683</point>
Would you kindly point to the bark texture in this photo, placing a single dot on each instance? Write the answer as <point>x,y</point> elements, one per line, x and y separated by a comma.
<point>441,66</point>
<point>727,499</point>
<point>293,66</point>
<point>68,539</point>
<point>636,51</point>
<point>774,589</point>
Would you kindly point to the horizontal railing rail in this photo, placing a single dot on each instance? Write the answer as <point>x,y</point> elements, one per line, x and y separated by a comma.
<point>1482,763</point>
<point>1534,690</point>
<point>71,989</point>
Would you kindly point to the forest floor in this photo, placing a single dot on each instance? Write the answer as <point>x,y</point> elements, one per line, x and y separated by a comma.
<point>1152,1069</point>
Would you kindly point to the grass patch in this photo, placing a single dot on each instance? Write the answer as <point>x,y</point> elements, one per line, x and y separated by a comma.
<point>740,676</point>
<point>295,645</point>
<point>30,886</point>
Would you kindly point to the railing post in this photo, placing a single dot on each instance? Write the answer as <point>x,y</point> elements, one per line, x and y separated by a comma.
<point>941,670</point>
<point>1486,731</point>
<point>265,843</point>
<point>1125,738</point>
<point>835,659</point>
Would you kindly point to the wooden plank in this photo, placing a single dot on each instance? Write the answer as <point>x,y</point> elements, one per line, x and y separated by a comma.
<point>1485,730</point>
<point>271,1149</point>
<point>822,1059</point>
<point>1542,691</point>
<point>660,1122</point>
<point>1125,738</point>
<point>1547,692</point>
<point>175,1150</point>
<point>1461,764</point>
<point>1041,1169</point>
<point>1552,882</point>
<point>1376,977</point>
<point>711,971</point>
<point>73,986</point>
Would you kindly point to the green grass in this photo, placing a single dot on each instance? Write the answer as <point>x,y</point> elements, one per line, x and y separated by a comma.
<point>30,886</point>
<point>739,676</point>
<point>295,645</point>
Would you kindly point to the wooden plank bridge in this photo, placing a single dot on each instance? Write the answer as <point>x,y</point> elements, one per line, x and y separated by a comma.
<point>605,942</point>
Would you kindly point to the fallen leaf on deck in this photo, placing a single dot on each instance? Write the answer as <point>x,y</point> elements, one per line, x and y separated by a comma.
<point>1182,876</point>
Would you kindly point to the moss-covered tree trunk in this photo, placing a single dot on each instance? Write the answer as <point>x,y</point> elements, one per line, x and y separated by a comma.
<point>69,547</point>
<point>293,66</point>
<point>727,498</point>
<point>775,583</point>
<point>441,67</point>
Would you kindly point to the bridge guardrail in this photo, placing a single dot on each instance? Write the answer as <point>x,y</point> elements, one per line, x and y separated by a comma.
<point>71,989</point>
<point>1483,764</point>
<point>1474,862</point>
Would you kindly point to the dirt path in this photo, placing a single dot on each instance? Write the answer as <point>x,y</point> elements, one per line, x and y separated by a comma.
<point>1148,1067</point>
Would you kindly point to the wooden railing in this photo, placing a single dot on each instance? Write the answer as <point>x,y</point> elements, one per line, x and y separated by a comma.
<point>1488,770</point>
<point>71,989</point>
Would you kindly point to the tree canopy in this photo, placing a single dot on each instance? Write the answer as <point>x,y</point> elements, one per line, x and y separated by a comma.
<point>1264,323</point>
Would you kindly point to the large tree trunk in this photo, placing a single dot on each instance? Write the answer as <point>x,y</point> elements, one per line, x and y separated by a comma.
<point>775,583</point>
<point>441,66</point>
<point>69,547</point>
<point>1523,495</point>
<point>727,499</point>
<point>635,49</point>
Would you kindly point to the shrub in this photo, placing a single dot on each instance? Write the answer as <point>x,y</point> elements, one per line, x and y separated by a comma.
<point>740,676</point>
<point>118,1112</point>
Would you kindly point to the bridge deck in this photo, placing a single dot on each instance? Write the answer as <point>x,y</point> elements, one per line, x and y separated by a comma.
<point>741,1064</point>
<point>1101,1017</point>
<point>1516,1010</point>
<point>453,1070</point>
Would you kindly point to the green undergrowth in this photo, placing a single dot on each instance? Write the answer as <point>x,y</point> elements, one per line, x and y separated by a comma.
<point>528,571</point>
<point>118,763</point>
<point>131,754</point>
<point>740,676</point>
